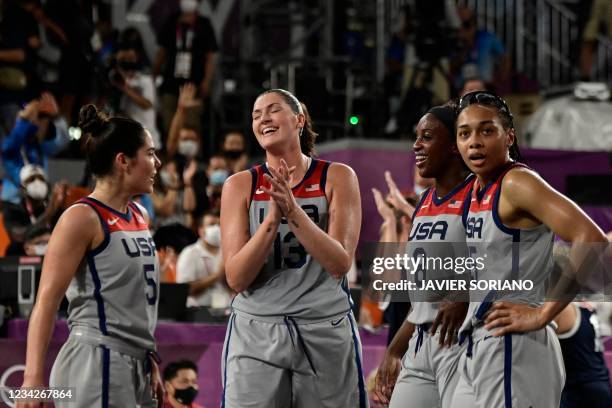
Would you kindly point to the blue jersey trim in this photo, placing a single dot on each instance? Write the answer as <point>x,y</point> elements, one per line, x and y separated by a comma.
<point>465,211</point>
<point>106,240</point>
<point>362,391</point>
<point>508,371</point>
<point>449,195</point>
<point>345,288</point>
<point>105,376</point>
<point>126,216</point>
<point>309,172</point>
<point>253,172</point>
<point>515,233</point>
<point>326,165</point>
<point>418,206</point>
<point>229,336</point>
<point>91,263</point>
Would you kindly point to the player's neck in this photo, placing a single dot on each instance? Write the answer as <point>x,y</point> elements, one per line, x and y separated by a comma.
<point>454,175</point>
<point>110,195</point>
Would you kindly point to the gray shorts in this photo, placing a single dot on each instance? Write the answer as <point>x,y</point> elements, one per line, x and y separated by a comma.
<point>429,373</point>
<point>514,371</point>
<point>281,362</point>
<point>100,376</point>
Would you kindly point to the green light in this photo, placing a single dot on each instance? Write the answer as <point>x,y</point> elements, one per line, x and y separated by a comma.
<point>354,120</point>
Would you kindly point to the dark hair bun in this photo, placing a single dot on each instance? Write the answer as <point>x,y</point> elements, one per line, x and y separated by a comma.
<point>91,120</point>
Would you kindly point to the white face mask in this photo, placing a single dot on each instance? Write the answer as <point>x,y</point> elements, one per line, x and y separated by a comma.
<point>40,249</point>
<point>37,190</point>
<point>189,6</point>
<point>188,148</point>
<point>212,235</point>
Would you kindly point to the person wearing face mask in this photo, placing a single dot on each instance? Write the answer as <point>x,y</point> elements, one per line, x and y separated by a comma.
<point>187,50</point>
<point>181,384</point>
<point>234,150</point>
<point>39,133</point>
<point>36,241</point>
<point>137,99</point>
<point>200,265</point>
<point>217,172</point>
<point>37,208</point>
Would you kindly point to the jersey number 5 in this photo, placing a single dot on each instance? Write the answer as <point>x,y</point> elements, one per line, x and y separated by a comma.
<point>152,298</point>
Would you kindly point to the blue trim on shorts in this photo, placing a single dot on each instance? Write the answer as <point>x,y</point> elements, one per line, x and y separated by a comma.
<point>362,391</point>
<point>508,371</point>
<point>105,375</point>
<point>229,335</point>
<point>345,288</point>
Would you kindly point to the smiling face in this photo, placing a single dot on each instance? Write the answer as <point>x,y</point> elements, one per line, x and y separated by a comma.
<point>482,140</point>
<point>433,148</point>
<point>142,168</point>
<point>274,122</point>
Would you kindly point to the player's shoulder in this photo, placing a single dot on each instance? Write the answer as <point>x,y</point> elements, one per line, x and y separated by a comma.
<point>340,172</point>
<point>79,218</point>
<point>519,178</point>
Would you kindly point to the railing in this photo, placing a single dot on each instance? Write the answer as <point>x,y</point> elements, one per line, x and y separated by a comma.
<point>541,36</point>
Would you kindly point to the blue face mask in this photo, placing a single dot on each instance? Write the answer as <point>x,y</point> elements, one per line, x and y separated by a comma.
<point>218,177</point>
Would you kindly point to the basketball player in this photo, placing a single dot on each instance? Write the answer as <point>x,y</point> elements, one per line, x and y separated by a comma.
<point>511,206</point>
<point>101,255</point>
<point>428,367</point>
<point>289,229</point>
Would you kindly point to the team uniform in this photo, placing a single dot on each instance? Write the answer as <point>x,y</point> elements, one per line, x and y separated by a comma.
<point>517,370</point>
<point>427,378</point>
<point>112,315</point>
<point>292,339</point>
<point>588,382</point>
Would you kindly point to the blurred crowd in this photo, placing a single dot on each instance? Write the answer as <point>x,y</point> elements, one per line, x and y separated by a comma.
<point>56,55</point>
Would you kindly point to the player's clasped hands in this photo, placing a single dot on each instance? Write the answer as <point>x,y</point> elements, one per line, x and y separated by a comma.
<point>280,191</point>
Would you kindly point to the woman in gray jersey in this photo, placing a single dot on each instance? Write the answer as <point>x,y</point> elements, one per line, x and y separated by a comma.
<point>289,230</point>
<point>102,257</point>
<point>511,220</point>
<point>427,377</point>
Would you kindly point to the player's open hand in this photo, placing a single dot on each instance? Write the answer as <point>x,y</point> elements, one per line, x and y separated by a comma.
<point>509,317</point>
<point>396,198</point>
<point>449,319</point>
<point>386,376</point>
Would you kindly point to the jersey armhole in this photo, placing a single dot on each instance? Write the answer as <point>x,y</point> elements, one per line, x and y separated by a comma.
<point>575,327</point>
<point>254,176</point>
<point>95,251</point>
<point>418,206</point>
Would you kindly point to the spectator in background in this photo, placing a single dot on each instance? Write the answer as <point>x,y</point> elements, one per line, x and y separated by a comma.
<point>170,240</point>
<point>181,384</point>
<point>168,197</point>
<point>135,84</point>
<point>38,134</point>
<point>601,17</point>
<point>46,46</point>
<point>473,85</point>
<point>184,145</point>
<point>217,172</point>
<point>187,48</point>
<point>17,34</point>
<point>200,265</point>
<point>36,209</point>
<point>481,55</point>
<point>235,152</point>
<point>36,240</point>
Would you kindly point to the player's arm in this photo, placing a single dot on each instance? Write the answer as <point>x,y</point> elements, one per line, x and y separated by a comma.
<point>77,230</point>
<point>334,249</point>
<point>529,195</point>
<point>244,255</point>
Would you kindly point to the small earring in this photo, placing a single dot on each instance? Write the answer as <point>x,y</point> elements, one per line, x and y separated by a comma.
<point>301,131</point>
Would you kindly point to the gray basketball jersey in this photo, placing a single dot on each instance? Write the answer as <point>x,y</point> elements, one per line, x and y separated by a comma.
<point>291,282</point>
<point>509,254</point>
<point>116,289</point>
<point>438,232</point>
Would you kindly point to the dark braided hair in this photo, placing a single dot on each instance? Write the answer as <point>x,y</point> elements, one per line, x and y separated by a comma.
<point>503,111</point>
